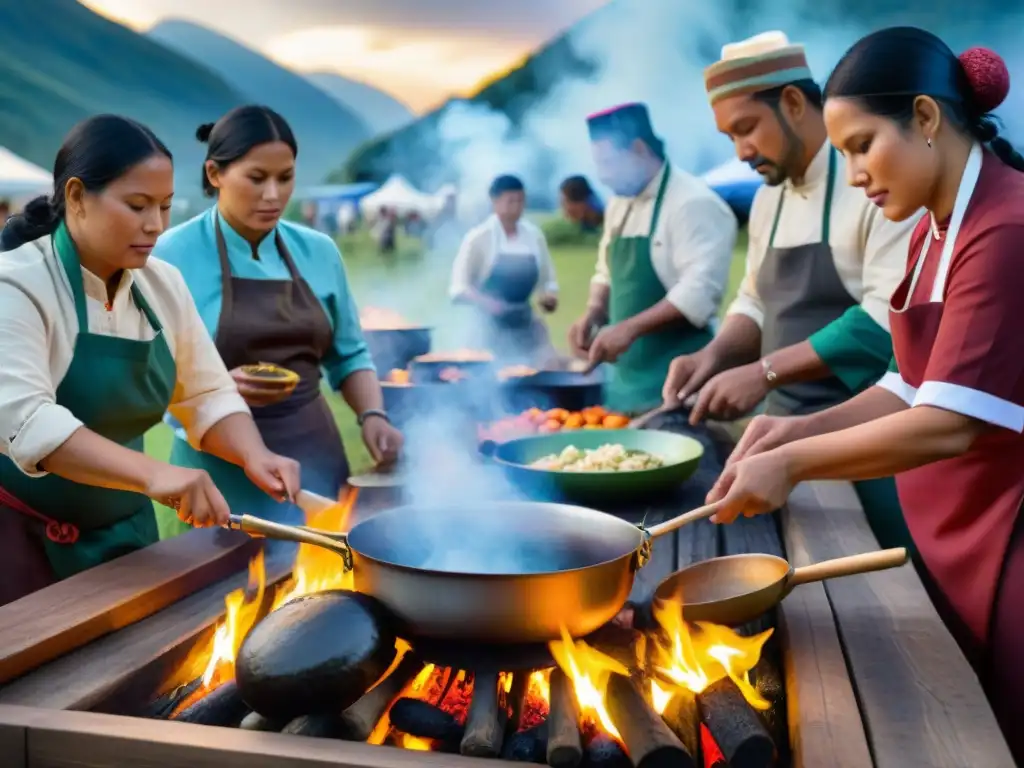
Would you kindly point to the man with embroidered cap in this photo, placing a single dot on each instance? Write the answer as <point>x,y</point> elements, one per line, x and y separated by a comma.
<point>810,325</point>
<point>662,264</point>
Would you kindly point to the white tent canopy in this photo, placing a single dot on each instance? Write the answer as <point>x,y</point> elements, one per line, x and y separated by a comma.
<point>20,177</point>
<point>399,195</point>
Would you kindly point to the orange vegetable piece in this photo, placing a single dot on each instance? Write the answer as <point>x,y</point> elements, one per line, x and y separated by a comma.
<point>599,410</point>
<point>550,426</point>
<point>615,421</point>
<point>575,421</point>
<point>592,426</point>
<point>593,419</point>
<point>557,414</point>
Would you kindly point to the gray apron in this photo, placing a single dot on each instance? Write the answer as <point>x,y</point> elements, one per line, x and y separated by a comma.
<point>280,322</point>
<point>517,337</point>
<point>802,293</point>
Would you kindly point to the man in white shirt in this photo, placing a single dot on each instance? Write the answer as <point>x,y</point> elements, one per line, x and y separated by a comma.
<point>501,265</point>
<point>662,265</point>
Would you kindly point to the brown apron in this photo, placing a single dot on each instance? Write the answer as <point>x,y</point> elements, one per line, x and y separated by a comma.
<point>280,322</point>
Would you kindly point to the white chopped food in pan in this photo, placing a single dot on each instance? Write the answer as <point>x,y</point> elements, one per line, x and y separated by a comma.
<point>607,458</point>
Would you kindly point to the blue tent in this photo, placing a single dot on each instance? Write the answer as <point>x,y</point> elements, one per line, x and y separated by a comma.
<point>736,183</point>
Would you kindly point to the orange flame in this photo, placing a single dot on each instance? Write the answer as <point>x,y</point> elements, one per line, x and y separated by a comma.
<point>588,669</point>
<point>315,570</point>
<point>381,319</point>
<point>694,658</point>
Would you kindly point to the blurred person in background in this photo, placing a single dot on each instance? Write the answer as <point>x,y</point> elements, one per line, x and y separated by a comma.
<point>810,325</point>
<point>272,291</point>
<point>580,204</point>
<point>662,264</point>
<point>501,265</point>
<point>98,339</point>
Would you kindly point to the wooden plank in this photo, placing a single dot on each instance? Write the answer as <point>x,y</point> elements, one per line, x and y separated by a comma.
<point>825,727</point>
<point>921,702</point>
<point>13,744</point>
<point>77,739</point>
<point>139,657</point>
<point>67,615</point>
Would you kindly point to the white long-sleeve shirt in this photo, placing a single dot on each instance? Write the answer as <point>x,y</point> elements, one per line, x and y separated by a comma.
<point>869,251</point>
<point>38,328</point>
<point>484,243</point>
<point>692,245</point>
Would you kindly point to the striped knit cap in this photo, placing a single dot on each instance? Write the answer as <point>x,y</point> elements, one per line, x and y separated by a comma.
<point>759,63</point>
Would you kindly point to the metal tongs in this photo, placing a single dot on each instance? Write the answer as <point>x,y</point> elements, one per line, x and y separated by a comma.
<point>641,421</point>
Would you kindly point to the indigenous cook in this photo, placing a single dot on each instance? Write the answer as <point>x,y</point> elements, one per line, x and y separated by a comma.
<point>98,340</point>
<point>662,264</point>
<point>275,292</point>
<point>501,265</point>
<point>914,121</point>
<point>810,326</point>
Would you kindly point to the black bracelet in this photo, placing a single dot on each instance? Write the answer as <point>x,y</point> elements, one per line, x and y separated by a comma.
<point>362,417</point>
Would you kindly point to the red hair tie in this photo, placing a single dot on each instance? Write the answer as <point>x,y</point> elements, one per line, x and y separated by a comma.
<point>988,76</point>
<point>61,533</point>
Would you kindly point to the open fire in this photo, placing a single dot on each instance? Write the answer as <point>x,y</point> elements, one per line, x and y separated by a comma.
<point>382,319</point>
<point>615,700</point>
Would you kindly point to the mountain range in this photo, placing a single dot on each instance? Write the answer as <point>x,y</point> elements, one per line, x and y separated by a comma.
<point>60,62</point>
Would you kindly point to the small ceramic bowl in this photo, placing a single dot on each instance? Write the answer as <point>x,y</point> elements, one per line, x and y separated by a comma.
<point>270,376</point>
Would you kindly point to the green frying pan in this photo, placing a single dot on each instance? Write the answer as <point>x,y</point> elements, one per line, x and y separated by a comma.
<point>680,454</point>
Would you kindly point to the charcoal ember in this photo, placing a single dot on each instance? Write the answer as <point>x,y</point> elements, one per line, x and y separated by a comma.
<point>314,655</point>
<point>162,707</point>
<point>605,752</point>
<point>317,727</point>
<point>222,706</point>
<point>423,720</point>
<point>254,721</point>
<point>529,746</point>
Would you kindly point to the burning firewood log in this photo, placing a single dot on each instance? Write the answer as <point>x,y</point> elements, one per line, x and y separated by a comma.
<point>222,706</point>
<point>486,719</point>
<point>736,727</point>
<point>316,726</point>
<point>649,741</point>
<point>423,720</point>
<point>565,749</point>
<point>604,752</point>
<point>166,704</point>
<point>682,716</point>
<point>254,721</point>
<point>360,719</point>
<point>527,746</point>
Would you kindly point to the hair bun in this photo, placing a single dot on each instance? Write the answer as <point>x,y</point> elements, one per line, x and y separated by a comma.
<point>40,211</point>
<point>988,76</point>
<point>203,132</point>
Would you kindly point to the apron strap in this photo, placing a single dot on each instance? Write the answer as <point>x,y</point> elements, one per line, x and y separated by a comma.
<point>659,199</point>
<point>226,294</point>
<point>826,214</point>
<point>66,251</point>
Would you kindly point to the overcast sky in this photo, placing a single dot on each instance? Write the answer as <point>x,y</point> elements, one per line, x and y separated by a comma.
<point>418,50</point>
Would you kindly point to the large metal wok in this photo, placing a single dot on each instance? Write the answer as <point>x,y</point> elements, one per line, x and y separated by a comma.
<point>502,573</point>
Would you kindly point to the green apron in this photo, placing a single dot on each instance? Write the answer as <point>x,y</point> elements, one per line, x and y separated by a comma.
<point>638,376</point>
<point>118,388</point>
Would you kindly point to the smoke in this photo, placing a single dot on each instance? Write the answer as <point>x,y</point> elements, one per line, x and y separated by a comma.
<point>655,51</point>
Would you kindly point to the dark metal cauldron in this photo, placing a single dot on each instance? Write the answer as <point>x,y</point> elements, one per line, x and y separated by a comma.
<point>503,573</point>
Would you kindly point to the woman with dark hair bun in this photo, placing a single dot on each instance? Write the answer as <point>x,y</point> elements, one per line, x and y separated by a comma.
<point>98,340</point>
<point>914,121</point>
<point>270,291</point>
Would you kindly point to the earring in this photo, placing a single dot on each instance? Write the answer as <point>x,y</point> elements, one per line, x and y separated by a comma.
<point>929,140</point>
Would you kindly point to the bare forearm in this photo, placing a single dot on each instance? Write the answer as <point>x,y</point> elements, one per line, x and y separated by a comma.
<point>871,404</point>
<point>233,439</point>
<point>796,363</point>
<point>598,298</point>
<point>883,447</point>
<point>738,342</point>
<point>662,315</point>
<point>362,392</point>
<point>91,459</point>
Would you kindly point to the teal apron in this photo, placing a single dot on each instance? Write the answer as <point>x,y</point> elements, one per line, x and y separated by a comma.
<point>118,388</point>
<point>802,293</point>
<point>638,376</point>
<point>280,322</point>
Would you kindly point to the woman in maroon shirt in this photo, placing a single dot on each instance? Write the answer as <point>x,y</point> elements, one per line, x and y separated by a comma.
<point>913,121</point>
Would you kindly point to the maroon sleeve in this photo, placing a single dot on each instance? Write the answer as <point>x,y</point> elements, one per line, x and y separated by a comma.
<point>978,345</point>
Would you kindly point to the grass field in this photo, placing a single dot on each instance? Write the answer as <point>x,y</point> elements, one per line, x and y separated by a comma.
<point>423,292</point>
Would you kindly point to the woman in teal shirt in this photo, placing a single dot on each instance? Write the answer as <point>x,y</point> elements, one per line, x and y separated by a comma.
<point>270,291</point>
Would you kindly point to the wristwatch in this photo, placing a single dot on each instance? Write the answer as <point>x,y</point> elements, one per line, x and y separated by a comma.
<point>769,374</point>
<point>369,413</point>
